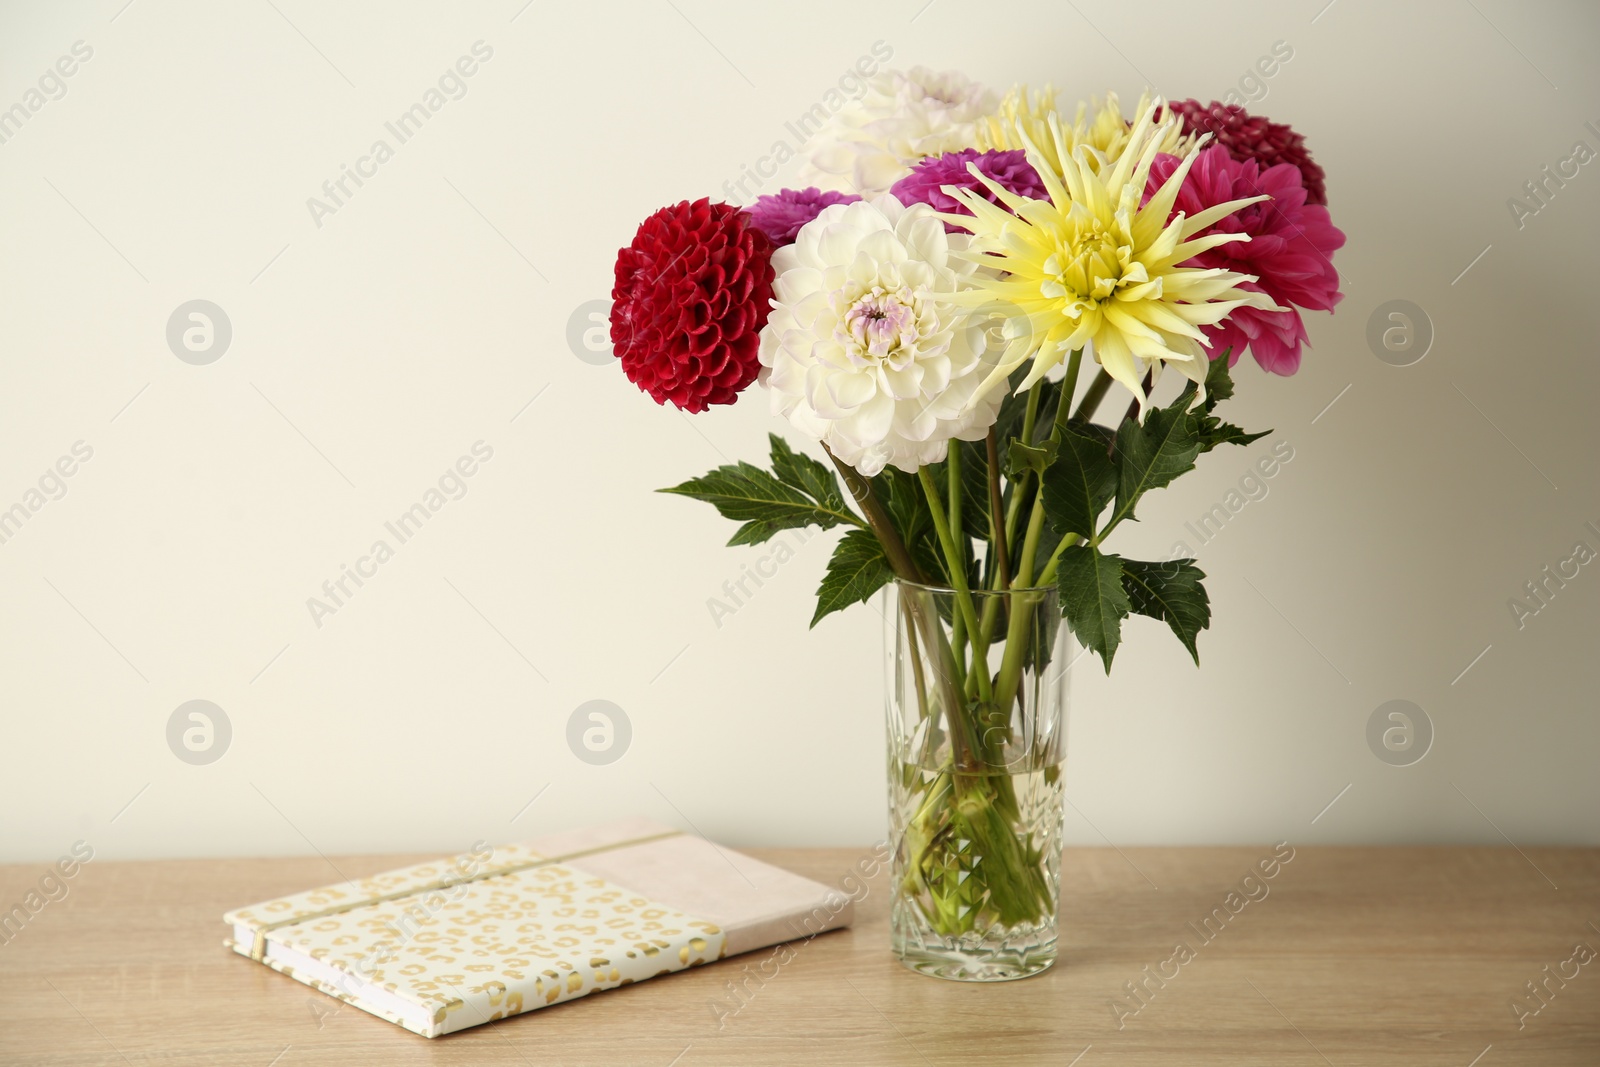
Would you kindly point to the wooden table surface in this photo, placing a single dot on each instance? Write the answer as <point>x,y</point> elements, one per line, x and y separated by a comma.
<point>1356,956</point>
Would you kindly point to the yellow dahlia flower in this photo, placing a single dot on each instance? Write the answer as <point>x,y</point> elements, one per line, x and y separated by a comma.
<point>1024,117</point>
<point>1091,266</point>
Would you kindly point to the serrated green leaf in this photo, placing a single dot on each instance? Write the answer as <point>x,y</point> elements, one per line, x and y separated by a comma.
<point>1172,592</point>
<point>858,569</point>
<point>1078,485</point>
<point>746,493</point>
<point>1036,458</point>
<point>1093,430</point>
<point>975,488</point>
<point>1219,380</point>
<point>812,477</point>
<point>1214,432</point>
<point>1093,599</point>
<point>1219,384</point>
<point>1211,430</point>
<point>1150,456</point>
<point>902,498</point>
<point>1013,411</point>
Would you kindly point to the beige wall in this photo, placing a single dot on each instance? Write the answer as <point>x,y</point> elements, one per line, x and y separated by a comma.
<point>371,351</point>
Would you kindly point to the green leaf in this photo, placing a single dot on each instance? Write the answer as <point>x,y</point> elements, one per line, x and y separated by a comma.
<point>1150,456</point>
<point>902,498</point>
<point>1219,380</point>
<point>746,493</point>
<point>1013,411</point>
<point>1219,384</point>
<point>1211,430</point>
<point>858,569</point>
<point>1078,485</point>
<point>1093,599</point>
<point>1214,432</point>
<point>1171,592</point>
<point>1093,430</point>
<point>812,477</point>
<point>975,488</point>
<point>1037,458</point>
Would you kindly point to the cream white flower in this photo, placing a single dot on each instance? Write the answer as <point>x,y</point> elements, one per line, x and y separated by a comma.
<point>902,118</point>
<point>864,351</point>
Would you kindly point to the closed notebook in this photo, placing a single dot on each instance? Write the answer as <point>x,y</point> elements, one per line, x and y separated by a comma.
<point>442,946</point>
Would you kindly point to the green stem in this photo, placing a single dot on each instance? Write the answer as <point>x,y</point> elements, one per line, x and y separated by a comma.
<point>958,648</point>
<point>916,657</point>
<point>997,530</point>
<point>925,618</point>
<point>1010,674</point>
<point>1048,574</point>
<point>1105,531</point>
<point>1030,542</point>
<point>1069,385</point>
<point>1030,415</point>
<point>949,676</point>
<point>958,577</point>
<point>1096,393</point>
<point>878,520</point>
<point>952,466</point>
<point>1020,487</point>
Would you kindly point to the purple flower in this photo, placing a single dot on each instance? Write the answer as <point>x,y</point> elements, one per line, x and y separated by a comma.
<point>781,215</point>
<point>1009,170</point>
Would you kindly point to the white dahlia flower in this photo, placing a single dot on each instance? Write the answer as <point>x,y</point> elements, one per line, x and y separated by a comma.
<point>902,118</point>
<point>863,351</point>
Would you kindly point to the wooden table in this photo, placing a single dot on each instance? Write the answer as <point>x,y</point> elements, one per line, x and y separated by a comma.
<point>1356,956</point>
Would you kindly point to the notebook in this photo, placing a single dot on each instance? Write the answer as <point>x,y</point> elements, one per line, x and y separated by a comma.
<point>501,930</point>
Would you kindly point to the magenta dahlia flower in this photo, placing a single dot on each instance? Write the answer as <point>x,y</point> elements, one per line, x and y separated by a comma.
<point>1248,136</point>
<point>1290,251</point>
<point>1009,170</point>
<point>781,215</point>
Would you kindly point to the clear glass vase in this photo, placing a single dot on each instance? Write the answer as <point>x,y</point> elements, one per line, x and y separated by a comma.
<point>977,743</point>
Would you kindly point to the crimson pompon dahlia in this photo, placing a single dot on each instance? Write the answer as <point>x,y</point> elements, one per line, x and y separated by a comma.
<point>691,295</point>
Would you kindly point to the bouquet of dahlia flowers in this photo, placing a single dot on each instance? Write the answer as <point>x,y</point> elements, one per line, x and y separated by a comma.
<point>926,312</point>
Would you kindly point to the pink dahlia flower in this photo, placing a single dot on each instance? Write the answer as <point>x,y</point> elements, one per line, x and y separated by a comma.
<point>1248,136</point>
<point>1009,169</point>
<point>781,215</point>
<point>1290,251</point>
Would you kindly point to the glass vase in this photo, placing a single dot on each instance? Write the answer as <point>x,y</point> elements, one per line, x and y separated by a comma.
<point>977,741</point>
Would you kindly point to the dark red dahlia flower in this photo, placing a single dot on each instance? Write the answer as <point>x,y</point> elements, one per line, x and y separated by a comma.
<point>691,295</point>
<point>1248,136</point>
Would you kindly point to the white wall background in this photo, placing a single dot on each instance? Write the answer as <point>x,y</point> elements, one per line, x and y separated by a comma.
<point>372,351</point>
